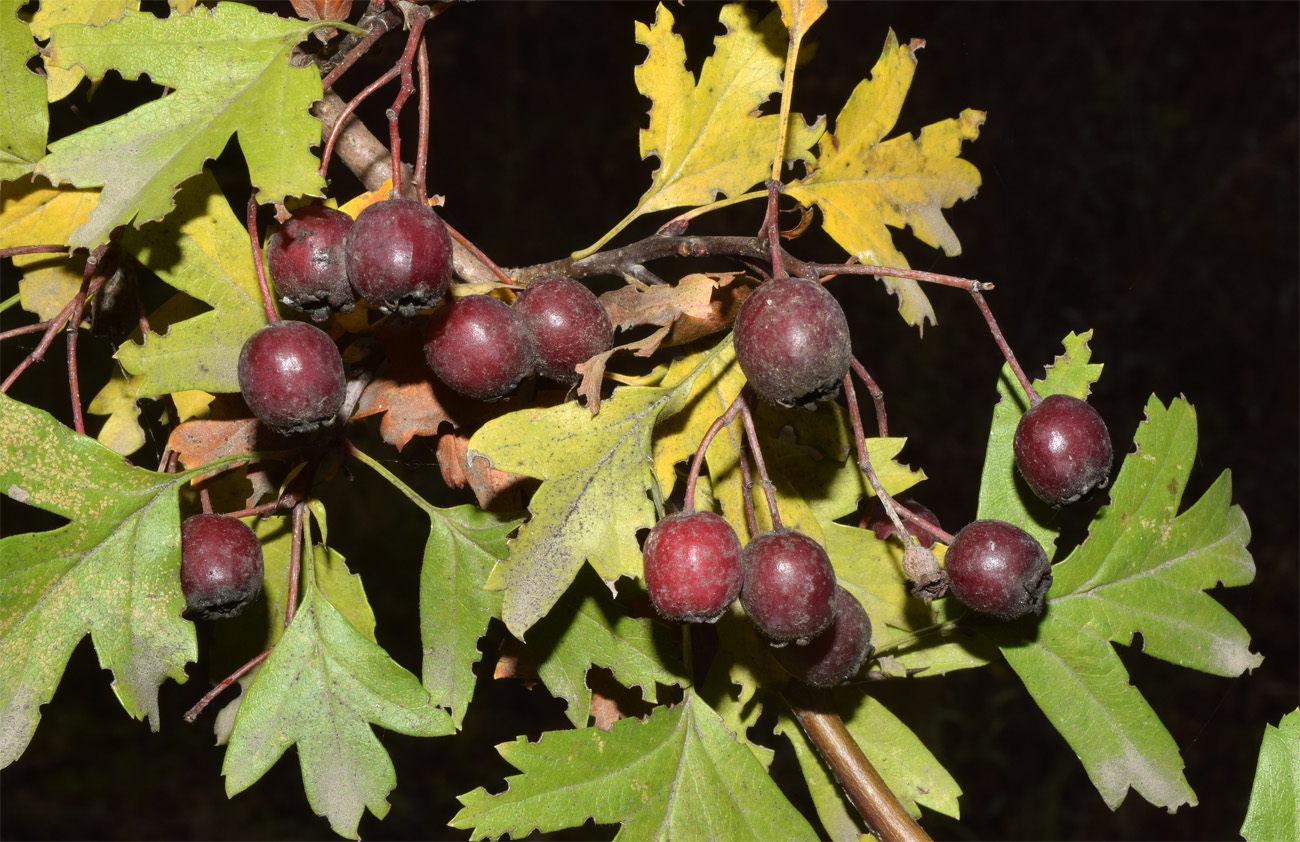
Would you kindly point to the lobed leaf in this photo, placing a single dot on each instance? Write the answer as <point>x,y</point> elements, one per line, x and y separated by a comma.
<point>864,183</point>
<point>24,117</point>
<point>112,572</point>
<point>119,400</point>
<point>1274,809</point>
<point>31,214</point>
<point>62,81</point>
<point>230,73</point>
<point>678,775</point>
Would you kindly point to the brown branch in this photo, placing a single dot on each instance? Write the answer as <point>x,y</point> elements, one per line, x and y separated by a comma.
<point>379,21</point>
<point>40,249</point>
<point>867,791</point>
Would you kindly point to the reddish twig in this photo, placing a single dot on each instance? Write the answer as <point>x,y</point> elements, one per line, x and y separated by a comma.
<point>193,713</point>
<point>769,231</point>
<point>479,255</point>
<point>694,473</point>
<point>295,564</point>
<point>864,459</point>
<point>73,332</point>
<point>352,105</point>
<point>380,28</point>
<point>51,328</point>
<point>267,300</point>
<point>877,396</point>
<point>422,147</point>
<point>769,489</point>
<point>420,15</point>
<point>747,485</point>
<point>13,251</point>
<point>24,330</point>
<point>1030,391</point>
<point>827,270</point>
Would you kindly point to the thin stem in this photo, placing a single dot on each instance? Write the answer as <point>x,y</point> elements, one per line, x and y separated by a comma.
<point>73,333</point>
<point>769,490</point>
<point>1030,392</point>
<point>864,461</point>
<point>422,149</point>
<point>747,486</point>
<point>193,713</point>
<point>267,509</point>
<point>11,301</point>
<point>907,639</point>
<point>53,248</point>
<point>480,256</point>
<point>25,329</point>
<point>295,565</point>
<point>267,300</point>
<point>377,31</point>
<point>737,406</point>
<point>877,396</point>
<point>374,465</point>
<point>866,790</point>
<point>205,499</point>
<point>356,101</point>
<point>831,269</point>
<point>420,14</point>
<point>910,516</point>
<point>688,652</point>
<point>769,230</point>
<point>51,328</point>
<point>678,224</point>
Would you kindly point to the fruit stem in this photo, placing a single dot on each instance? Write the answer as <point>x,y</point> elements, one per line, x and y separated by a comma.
<point>877,396</point>
<point>737,406</point>
<point>295,564</point>
<point>769,490</point>
<point>747,486</point>
<point>900,642</point>
<point>768,231</point>
<point>829,270</point>
<point>480,256</point>
<point>72,333</point>
<point>416,15</point>
<point>867,791</point>
<point>352,105</point>
<point>193,713</point>
<point>381,27</point>
<point>268,301</point>
<point>1030,392</point>
<point>41,249</point>
<point>422,146</point>
<point>374,465</point>
<point>864,461</point>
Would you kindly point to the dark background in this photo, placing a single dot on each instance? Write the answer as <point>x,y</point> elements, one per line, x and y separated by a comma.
<point>1140,180</point>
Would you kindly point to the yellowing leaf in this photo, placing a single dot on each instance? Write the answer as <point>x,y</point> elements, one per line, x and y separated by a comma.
<point>705,134</point>
<point>49,282</point>
<point>121,433</point>
<point>33,213</point>
<point>24,119</point>
<point>230,73</point>
<point>864,183</point>
<point>191,403</point>
<point>61,81</point>
<point>798,15</point>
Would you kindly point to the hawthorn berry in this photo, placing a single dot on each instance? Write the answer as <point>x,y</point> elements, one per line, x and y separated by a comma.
<point>792,341</point>
<point>399,256</point>
<point>478,345</point>
<point>788,589</point>
<point>997,568</point>
<point>308,261</point>
<point>1063,449</point>
<point>692,566</point>
<point>221,566</point>
<point>568,325</point>
<point>835,655</point>
<point>291,376</point>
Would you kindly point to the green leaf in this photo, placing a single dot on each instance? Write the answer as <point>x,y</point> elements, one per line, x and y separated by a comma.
<point>202,250</point>
<point>587,628</point>
<point>1274,811</point>
<point>59,81</point>
<point>1003,493</point>
<point>864,183</point>
<point>321,686</point>
<point>24,116</point>
<point>1142,570</point>
<point>230,73</point>
<point>706,134</point>
<point>678,775</point>
<point>596,474</point>
<point>463,544</point>
<point>112,571</point>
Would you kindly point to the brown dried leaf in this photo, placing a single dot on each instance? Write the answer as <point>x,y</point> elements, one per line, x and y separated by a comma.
<point>660,305</point>
<point>516,661</point>
<point>720,315</point>
<point>593,370</point>
<point>496,491</point>
<point>405,389</point>
<point>611,701</point>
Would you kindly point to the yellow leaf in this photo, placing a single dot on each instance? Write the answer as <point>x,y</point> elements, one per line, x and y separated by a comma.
<point>121,433</point>
<point>191,403</point>
<point>32,214</point>
<point>706,134</point>
<point>798,15</point>
<point>49,283</point>
<point>863,183</point>
<point>60,82</point>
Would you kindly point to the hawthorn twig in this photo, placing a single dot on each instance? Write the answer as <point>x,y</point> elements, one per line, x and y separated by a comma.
<point>38,249</point>
<point>480,256</point>
<point>864,459</point>
<point>295,563</point>
<point>193,713</point>
<point>1030,391</point>
<point>877,396</point>
<point>354,128</point>
<point>72,333</point>
<point>737,406</point>
<point>420,14</point>
<point>422,147</point>
<point>268,302</point>
<point>768,231</point>
<point>381,23</point>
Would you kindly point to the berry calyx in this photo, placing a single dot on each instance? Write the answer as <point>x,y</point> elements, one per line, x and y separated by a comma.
<point>835,655</point>
<point>1063,449</point>
<point>568,325</point>
<point>221,566</point>
<point>789,585</point>
<point>997,568</point>
<point>399,256</point>
<point>478,345</point>
<point>692,566</point>
<point>308,262</point>
<point>792,341</point>
<point>291,376</point>
<point>880,523</point>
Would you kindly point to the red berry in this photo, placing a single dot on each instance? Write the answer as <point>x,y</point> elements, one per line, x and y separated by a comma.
<point>478,346</point>
<point>880,523</point>
<point>308,262</point>
<point>568,324</point>
<point>789,585</point>
<point>221,565</point>
<point>399,256</point>
<point>291,376</point>
<point>792,341</point>
<point>1063,449</point>
<point>835,655</point>
<point>692,566</point>
<point>997,568</point>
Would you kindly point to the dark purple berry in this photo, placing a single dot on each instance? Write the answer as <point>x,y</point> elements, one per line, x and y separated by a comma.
<point>789,585</point>
<point>478,346</point>
<point>568,324</point>
<point>399,256</point>
<point>997,568</point>
<point>221,566</point>
<point>692,566</point>
<point>308,261</point>
<point>291,376</point>
<point>792,341</point>
<point>835,655</point>
<point>1063,449</point>
<point>880,523</point>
